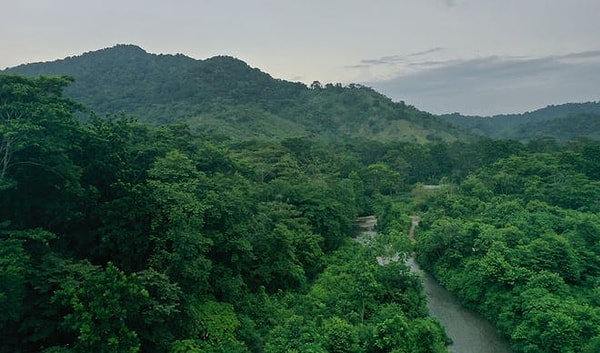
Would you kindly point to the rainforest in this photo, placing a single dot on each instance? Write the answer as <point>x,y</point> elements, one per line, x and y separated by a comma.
<point>222,218</point>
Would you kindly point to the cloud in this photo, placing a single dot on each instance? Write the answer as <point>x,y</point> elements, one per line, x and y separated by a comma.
<point>390,60</point>
<point>497,84</point>
<point>384,60</point>
<point>427,52</point>
<point>590,54</point>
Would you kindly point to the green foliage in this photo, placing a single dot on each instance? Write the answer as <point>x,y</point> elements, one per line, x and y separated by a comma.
<point>186,346</point>
<point>381,178</point>
<point>397,334</point>
<point>100,306</point>
<point>39,141</point>
<point>219,322</point>
<point>391,335</point>
<point>340,336</point>
<point>179,247</point>
<point>158,239</point>
<point>515,245</point>
<point>14,263</point>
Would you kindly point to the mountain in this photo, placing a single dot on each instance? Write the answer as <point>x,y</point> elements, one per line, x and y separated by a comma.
<point>224,95</point>
<point>560,122</point>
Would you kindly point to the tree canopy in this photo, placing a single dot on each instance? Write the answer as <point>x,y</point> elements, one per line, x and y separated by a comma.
<point>116,235</point>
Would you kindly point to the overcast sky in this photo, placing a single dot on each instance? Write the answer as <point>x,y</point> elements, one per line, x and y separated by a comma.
<point>469,56</point>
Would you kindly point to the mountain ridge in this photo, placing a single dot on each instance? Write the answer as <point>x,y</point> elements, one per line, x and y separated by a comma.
<point>223,95</point>
<point>562,122</point>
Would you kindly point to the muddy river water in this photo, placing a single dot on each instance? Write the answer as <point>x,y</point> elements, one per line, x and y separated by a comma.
<point>470,332</point>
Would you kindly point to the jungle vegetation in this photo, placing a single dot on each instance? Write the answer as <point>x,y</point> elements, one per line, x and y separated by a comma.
<point>120,234</point>
<point>121,237</point>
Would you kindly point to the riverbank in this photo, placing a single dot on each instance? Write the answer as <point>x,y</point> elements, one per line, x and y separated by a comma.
<point>469,331</point>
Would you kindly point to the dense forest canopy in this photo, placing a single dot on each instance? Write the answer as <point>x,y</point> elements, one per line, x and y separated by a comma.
<point>519,241</point>
<point>117,236</point>
<point>181,236</point>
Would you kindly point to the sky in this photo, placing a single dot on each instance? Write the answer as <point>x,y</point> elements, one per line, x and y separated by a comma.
<point>477,57</point>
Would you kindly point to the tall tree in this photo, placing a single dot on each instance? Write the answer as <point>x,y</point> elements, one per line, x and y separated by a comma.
<point>39,142</point>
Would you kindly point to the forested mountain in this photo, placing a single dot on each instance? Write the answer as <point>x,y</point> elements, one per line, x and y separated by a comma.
<point>560,122</point>
<point>223,95</point>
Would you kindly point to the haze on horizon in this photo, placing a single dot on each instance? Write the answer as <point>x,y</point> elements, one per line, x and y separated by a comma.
<point>480,57</point>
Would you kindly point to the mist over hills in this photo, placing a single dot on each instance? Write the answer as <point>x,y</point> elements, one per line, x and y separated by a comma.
<point>225,96</point>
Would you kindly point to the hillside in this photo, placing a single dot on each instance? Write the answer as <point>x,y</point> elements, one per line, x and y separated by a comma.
<point>224,96</point>
<point>561,122</point>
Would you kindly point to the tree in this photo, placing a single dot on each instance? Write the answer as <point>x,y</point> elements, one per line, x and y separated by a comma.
<point>180,248</point>
<point>295,333</point>
<point>101,306</point>
<point>341,336</point>
<point>30,273</point>
<point>26,105</point>
<point>219,323</point>
<point>39,145</point>
<point>392,335</point>
<point>14,267</point>
<point>380,178</point>
<point>160,318</point>
<point>552,253</point>
<point>278,266</point>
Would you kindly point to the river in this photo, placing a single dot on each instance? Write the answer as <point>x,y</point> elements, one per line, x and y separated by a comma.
<point>469,331</point>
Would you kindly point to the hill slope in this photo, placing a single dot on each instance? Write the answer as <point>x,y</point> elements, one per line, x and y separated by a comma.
<point>223,95</point>
<point>561,122</point>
